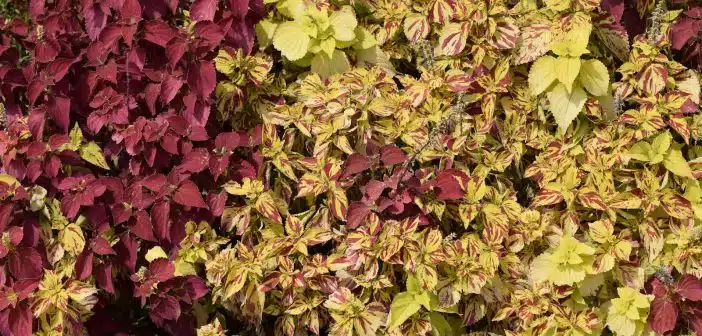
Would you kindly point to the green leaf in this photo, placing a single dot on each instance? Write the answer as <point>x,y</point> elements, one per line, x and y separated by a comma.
<point>344,24</point>
<point>659,147</point>
<point>677,164</point>
<point>325,66</point>
<point>567,69</point>
<point>265,30</point>
<point>403,307</point>
<point>566,106</point>
<point>542,74</point>
<point>594,77</point>
<point>413,284</point>
<point>439,325</point>
<point>291,40</point>
<point>76,136</point>
<point>364,39</point>
<point>640,151</point>
<point>92,153</point>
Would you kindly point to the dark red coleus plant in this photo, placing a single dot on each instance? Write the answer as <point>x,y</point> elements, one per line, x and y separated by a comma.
<point>675,303</point>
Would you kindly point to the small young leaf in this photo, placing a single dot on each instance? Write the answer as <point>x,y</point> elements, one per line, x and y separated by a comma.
<point>92,153</point>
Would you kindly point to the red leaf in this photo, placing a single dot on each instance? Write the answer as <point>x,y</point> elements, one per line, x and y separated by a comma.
<point>175,51</point>
<point>95,21</point>
<point>103,275</point>
<point>356,163</point>
<point>165,308</point>
<point>142,227</point>
<point>689,287</point>
<point>391,154</point>
<point>25,263</point>
<point>203,10</point>
<point>58,111</point>
<point>449,185</point>
<point>664,315</point>
<point>216,202</point>
<point>357,213</point>
<point>614,7</point>
<point>195,287</point>
<point>20,321</point>
<point>683,30</point>
<point>158,32</point>
<point>169,88</point>
<point>195,161</point>
<point>161,269</point>
<point>159,214</point>
<point>126,251</point>
<point>189,195</point>
<point>84,265</point>
<point>202,78</point>
<point>102,247</point>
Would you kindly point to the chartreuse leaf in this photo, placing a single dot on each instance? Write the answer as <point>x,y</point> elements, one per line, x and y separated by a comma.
<point>265,30</point>
<point>325,66</point>
<point>594,77</point>
<point>567,69</point>
<point>676,163</point>
<point>628,313</point>
<point>344,23</point>
<point>542,74</point>
<point>72,239</point>
<point>403,306</point>
<point>565,106</point>
<point>8,179</point>
<point>154,253</point>
<point>291,39</point>
<point>653,152</point>
<point>439,325</point>
<point>92,153</point>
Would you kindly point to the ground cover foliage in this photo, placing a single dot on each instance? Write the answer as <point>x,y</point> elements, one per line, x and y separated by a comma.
<point>350,167</point>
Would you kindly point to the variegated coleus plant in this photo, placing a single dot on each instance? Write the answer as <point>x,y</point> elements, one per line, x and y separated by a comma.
<point>372,168</point>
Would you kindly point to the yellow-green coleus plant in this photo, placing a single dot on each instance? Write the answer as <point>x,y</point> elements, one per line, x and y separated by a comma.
<point>627,314</point>
<point>566,77</point>
<point>315,36</point>
<point>566,264</point>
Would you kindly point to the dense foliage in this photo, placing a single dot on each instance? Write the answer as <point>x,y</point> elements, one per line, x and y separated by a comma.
<point>350,167</point>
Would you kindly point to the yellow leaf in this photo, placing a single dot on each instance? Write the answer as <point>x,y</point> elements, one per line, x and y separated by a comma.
<point>72,239</point>
<point>542,74</point>
<point>567,69</point>
<point>154,253</point>
<point>594,77</point>
<point>92,153</point>
<point>565,106</point>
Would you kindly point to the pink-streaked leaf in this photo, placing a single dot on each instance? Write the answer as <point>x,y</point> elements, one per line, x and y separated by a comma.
<point>203,10</point>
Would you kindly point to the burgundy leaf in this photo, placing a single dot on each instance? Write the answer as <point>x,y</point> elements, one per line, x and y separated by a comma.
<point>84,265</point>
<point>142,227</point>
<point>391,154</point>
<point>663,315</point>
<point>689,287</point>
<point>203,10</point>
<point>158,32</point>
<point>160,214</point>
<point>195,287</point>
<point>202,78</point>
<point>161,269</point>
<point>95,21</point>
<point>450,185</point>
<point>356,163</point>
<point>103,276</point>
<point>195,161</point>
<point>189,195</point>
<point>682,30</point>
<point>169,88</point>
<point>166,308</point>
<point>102,246</point>
<point>25,263</point>
<point>20,320</point>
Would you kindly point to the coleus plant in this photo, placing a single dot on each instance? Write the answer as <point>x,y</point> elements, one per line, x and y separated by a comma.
<point>372,168</point>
